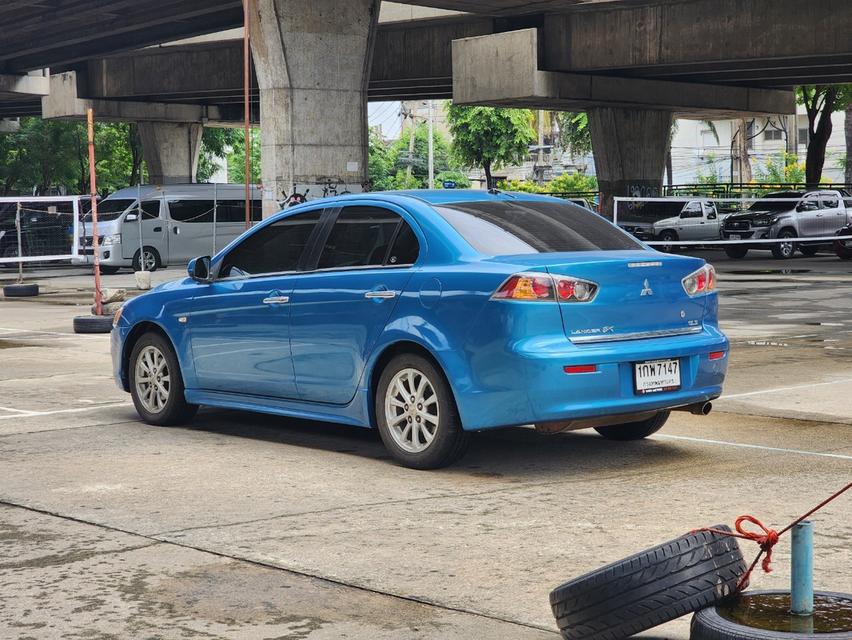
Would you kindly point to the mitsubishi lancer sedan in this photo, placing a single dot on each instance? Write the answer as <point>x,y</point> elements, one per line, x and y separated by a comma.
<point>429,315</point>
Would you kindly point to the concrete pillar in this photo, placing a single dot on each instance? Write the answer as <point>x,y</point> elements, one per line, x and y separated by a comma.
<point>629,146</point>
<point>312,60</point>
<point>170,150</point>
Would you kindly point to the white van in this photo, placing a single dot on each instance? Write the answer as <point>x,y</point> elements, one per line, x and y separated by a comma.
<point>176,224</point>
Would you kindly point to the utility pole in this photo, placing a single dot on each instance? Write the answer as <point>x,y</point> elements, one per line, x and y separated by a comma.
<point>409,115</point>
<point>431,147</point>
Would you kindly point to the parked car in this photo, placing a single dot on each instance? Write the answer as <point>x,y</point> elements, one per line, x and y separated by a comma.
<point>177,224</point>
<point>697,220</point>
<point>843,248</point>
<point>793,216</point>
<point>428,315</point>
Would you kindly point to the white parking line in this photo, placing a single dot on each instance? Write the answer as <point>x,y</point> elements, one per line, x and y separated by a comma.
<point>755,446</point>
<point>11,410</point>
<point>800,386</point>
<point>36,414</point>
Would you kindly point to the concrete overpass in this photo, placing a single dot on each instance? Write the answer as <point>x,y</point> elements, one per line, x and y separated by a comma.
<point>630,64</point>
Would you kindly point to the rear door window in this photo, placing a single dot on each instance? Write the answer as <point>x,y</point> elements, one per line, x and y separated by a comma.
<point>361,237</point>
<point>508,228</point>
<point>276,248</point>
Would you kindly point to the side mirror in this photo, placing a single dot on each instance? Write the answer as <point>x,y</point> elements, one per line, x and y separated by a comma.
<point>130,217</point>
<point>199,269</point>
<point>711,216</point>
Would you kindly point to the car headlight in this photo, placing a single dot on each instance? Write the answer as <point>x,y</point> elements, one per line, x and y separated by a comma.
<point>764,222</point>
<point>113,239</point>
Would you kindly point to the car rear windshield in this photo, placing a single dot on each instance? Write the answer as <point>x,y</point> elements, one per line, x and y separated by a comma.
<point>498,228</point>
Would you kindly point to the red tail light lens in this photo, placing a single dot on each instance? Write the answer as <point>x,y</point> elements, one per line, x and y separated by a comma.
<point>580,368</point>
<point>575,290</point>
<point>717,355</point>
<point>701,281</point>
<point>526,286</point>
<point>542,286</point>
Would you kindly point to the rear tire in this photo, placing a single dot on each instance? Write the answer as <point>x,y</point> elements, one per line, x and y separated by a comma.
<point>416,414</point>
<point>152,260</point>
<point>156,384</point>
<point>784,250</point>
<point>736,252</point>
<point>635,430</point>
<point>649,588</point>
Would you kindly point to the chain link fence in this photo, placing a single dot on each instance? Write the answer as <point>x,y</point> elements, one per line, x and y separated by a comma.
<point>38,229</point>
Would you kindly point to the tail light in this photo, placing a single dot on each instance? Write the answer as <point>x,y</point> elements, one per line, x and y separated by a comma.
<point>701,281</point>
<point>543,286</point>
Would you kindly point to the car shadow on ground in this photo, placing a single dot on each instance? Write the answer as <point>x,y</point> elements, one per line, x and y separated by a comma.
<point>515,453</point>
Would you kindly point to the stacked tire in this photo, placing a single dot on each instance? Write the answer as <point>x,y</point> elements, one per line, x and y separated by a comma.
<point>649,588</point>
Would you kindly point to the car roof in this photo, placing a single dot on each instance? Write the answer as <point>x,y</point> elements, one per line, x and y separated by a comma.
<point>452,196</point>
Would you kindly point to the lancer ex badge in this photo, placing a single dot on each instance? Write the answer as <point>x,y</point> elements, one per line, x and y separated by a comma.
<point>646,289</point>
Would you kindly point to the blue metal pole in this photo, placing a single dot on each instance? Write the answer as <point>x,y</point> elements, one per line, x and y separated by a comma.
<point>802,572</point>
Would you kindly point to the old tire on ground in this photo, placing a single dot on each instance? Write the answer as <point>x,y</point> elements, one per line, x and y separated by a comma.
<point>635,430</point>
<point>785,250</point>
<point>708,624</point>
<point>92,324</point>
<point>20,290</point>
<point>738,252</point>
<point>416,414</point>
<point>649,588</point>
<point>156,383</point>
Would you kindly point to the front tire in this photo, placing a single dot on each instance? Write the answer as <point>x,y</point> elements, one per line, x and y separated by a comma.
<point>417,415</point>
<point>635,430</point>
<point>156,384</point>
<point>108,270</point>
<point>152,260</point>
<point>785,250</point>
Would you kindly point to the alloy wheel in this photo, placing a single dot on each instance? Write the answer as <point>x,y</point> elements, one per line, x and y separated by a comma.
<point>152,379</point>
<point>412,411</point>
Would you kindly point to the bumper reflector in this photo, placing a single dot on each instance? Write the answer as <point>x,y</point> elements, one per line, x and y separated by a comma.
<point>580,368</point>
<point>717,355</point>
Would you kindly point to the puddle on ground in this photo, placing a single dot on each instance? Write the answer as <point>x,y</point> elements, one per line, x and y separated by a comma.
<point>771,612</point>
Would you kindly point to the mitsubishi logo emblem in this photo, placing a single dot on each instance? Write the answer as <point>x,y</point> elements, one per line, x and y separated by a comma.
<point>646,289</point>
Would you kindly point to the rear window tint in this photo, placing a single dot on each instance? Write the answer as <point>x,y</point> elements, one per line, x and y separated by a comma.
<point>508,228</point>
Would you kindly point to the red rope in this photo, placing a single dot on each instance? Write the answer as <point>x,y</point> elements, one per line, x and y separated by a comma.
<point>766,538</point>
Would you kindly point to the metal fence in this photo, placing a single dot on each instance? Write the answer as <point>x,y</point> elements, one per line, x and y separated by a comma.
<point>38,229</point>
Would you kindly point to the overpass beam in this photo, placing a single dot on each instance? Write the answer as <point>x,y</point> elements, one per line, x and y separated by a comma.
<point>171,151</point>
<point>312,60</point>
<point>629,147</point>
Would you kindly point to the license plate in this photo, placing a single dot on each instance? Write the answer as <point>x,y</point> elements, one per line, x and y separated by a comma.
<point>656,375</point>
<point>734,236</point>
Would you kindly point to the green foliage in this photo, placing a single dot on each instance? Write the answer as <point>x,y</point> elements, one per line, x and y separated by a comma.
<point>389,162</point>
<point>712,176</point>
<point>380,163</point>
<point>574,133</point>
<point>781,168</point>
<point>216,143</point>
<point>490,137</point>
<point>401,180</point>
<point>566,183</point>
<point>237,157</point>
<point>461,180</point>
<point>49,155</point>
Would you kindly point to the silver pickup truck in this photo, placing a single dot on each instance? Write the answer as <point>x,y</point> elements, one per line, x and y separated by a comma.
<point>698,220</point>
<point>789,215</point>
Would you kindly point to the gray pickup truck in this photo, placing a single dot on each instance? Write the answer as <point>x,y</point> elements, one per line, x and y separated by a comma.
<point>697,220</point>
<point>793,216</point>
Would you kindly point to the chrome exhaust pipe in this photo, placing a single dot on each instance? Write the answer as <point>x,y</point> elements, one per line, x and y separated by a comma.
<point>698,409</point>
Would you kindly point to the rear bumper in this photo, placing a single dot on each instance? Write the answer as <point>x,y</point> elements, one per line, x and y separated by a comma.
<point>534,387</point>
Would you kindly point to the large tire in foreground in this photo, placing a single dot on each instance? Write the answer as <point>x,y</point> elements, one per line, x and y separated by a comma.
<point>708,624</point>
<point>92,324</point>
<point>156,383</point>
<point>20,290</point>
<point>649,588</point>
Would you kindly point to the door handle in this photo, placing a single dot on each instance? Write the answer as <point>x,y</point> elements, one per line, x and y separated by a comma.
<point>156,229</point>
<point>276,300</point>
<point>380,295</point>
<point>819,215</point>
<point>176,230</point>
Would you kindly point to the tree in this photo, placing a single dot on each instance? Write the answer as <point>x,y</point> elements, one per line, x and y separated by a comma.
<point>782,169</point>
<point>574,133</point>
<point>847,161</point>
<point>820,101</point>
<point>419,163</point>
<point>379,163</point>
<point>215,143</point>
<point>237,157</point>
<point>490,137</point>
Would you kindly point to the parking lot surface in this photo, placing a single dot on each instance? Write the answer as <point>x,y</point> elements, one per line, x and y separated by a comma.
<point>247,526</point>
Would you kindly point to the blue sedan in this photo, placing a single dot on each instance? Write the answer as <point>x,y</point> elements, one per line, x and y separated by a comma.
<point>429,315</point>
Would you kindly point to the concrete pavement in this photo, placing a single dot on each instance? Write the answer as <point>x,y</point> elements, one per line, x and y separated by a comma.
<point>247,526</point>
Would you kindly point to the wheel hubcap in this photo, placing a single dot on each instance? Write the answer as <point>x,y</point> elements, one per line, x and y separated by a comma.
<point>412,411</point>
<point>153,379</point>
<point>148,261</point>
